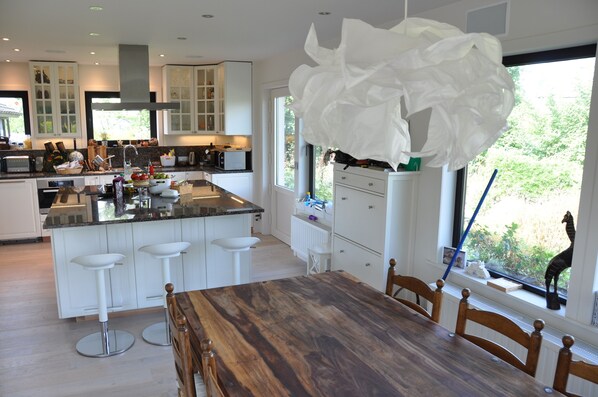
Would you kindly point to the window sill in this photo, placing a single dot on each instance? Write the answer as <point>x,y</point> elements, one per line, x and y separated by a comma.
<point>522,306</point>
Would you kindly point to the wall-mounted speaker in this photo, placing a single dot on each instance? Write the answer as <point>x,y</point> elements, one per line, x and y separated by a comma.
<point>490,19</point>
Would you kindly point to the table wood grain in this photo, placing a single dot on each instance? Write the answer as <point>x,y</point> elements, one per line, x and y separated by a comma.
<point>331,335</point>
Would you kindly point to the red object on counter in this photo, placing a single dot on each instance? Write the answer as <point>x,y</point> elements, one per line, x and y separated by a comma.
<point>151,169</point>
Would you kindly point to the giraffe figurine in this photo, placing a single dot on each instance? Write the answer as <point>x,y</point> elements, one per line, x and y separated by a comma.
<point>559,263</point>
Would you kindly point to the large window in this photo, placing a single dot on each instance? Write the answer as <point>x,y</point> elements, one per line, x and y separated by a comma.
<point>113,126</point>
<point>14,116</point>
<point>540,160</point>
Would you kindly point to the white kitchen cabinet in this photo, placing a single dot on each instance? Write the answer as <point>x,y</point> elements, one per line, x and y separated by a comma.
<point>194,87</point>
<point>240,183</point>
<point>76,286</point>
<point>178,87</point>
<point>194,259</point>
<point>234,98</point>
<point>91,180</point>
<point>374,220</point>
<point>148,270</point>
<point>19,210</point>
<point>215,99</point>
<point>55,99</point>
<point>195,175</point>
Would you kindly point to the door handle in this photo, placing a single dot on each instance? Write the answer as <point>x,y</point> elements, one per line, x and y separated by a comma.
<point>370,207</point>
<point>343,198</point>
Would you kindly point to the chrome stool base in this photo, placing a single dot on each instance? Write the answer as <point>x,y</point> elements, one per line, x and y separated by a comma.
<point>156,334</point>
<point>93,345</point>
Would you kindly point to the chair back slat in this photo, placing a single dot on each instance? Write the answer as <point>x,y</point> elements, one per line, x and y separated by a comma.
<point>209,369</point>
<point>505,326</point>
<point>419,288</point>
<point>566,366</point>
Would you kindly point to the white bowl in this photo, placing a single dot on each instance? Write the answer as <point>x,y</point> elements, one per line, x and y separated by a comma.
<point>167,161</point>
<point>159,185</point>
<point>170,193</point>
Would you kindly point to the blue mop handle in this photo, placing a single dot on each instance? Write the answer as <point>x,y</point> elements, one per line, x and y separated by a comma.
<point>464,236</point>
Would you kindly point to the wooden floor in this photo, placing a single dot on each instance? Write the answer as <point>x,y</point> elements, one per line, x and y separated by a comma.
<point>37,349</point>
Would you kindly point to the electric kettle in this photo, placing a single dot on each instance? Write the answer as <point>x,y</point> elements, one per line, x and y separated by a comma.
<point>191,159</point>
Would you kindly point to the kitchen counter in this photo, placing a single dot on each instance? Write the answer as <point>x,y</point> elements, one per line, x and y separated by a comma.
<point>84,221</point>
<point>86,206</point>
<point>116,171</point>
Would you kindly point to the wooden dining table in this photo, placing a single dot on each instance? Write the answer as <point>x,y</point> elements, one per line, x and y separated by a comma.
<point>331,335</point>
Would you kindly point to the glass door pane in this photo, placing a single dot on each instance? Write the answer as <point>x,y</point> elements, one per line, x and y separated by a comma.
<point>284,143</point>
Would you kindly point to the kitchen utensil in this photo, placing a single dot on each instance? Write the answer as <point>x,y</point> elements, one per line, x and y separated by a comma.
<point>49,147</point>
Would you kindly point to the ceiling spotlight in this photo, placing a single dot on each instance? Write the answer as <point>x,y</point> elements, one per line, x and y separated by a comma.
<point>5,39</point>
<point>96,63</point>
<point>208,16</point>
<point>96,8</point>
<point>324,13</point>
<point>17,49</point>
<point>92,53</point>
<point>8,60</point>
<point>161,55</point>
<point>94,34</point>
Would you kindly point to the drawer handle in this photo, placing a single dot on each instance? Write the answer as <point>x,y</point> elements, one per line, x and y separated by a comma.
<point>341,251</point>
<point>370,207</point>
<point>368,264</point>
<point>154,297</point>
<point>343,198</point>
<point>343,177</point>
<point>371,184</point>
<point>119,264</point>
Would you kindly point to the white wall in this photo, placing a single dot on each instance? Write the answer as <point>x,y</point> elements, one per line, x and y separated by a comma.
<point>534,25</point>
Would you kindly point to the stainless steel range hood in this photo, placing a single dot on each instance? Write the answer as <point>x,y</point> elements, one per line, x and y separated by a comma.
<point>133,65</point>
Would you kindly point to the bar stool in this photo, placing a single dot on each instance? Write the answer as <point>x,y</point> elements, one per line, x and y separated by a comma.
<point>236,245</point>
<point>318,259</point>
<point>159,333</point>
<point>106,342</point>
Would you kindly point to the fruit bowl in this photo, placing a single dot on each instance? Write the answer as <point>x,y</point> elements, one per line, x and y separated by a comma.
<point>141,183</point>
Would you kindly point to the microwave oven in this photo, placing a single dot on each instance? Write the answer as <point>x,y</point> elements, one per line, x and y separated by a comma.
<point>231,160</point>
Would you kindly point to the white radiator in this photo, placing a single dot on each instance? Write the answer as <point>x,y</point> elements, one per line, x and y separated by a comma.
<point>306,234</point>
<point>551,341</point>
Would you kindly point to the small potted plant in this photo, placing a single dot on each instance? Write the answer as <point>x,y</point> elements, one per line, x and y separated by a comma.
<point>104,136</point>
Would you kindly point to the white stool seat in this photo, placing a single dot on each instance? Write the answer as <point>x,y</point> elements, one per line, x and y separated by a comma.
<point>98,261</point>
<point>159,333</point>
<point>236,245</point>
<point>107,342</point>
<point>165,250</point>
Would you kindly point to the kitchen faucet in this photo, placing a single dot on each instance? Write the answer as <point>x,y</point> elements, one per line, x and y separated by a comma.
<point>127,165</point>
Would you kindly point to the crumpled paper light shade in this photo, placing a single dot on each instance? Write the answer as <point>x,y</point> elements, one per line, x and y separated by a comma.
<point>352,99</point>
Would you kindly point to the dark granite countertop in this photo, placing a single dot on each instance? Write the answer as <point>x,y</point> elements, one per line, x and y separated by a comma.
<point>86,206</point>
<point>28,175</point>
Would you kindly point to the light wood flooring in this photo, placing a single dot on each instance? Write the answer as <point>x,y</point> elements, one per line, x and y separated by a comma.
<point>37,349</point>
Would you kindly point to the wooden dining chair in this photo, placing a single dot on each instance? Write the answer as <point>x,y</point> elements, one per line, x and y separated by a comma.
<point>566,366</point>
<point>419,288</point>
<point>209,369</point>
<point>505,326</point>
<point>190,382</point>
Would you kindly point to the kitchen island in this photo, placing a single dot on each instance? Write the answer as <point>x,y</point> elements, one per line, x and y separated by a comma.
<point>86,220</point>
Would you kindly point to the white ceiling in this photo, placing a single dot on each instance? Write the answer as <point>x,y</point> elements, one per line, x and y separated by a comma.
<point>249,30</point>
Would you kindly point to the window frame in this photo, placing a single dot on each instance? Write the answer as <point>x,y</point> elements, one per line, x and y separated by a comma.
<point>24,95</point>
<point>563,54</point>
<point>89,95</point>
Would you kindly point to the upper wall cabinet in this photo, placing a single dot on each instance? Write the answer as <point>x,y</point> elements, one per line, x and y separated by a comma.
<point>234,98</point>
<point>55,93</point>
<point>215,99</point>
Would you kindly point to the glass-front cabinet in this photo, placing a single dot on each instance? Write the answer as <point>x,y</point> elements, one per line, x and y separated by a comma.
<point>55,95</point>
<point>178,87</point>
<point>194,87</point>
<point>205,99</point>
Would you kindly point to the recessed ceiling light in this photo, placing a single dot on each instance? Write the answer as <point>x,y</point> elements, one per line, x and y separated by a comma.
<point>5,39</point>
<point>94,34</point>
<point>8,60</point>
<point>324,13</point>
<point>92,53</point>
<point>161,55</point>
<point>208,16</point>
<point>181,38</point>
<point>96,8</point>
<point>17,49</point>
<point>96,63</point>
